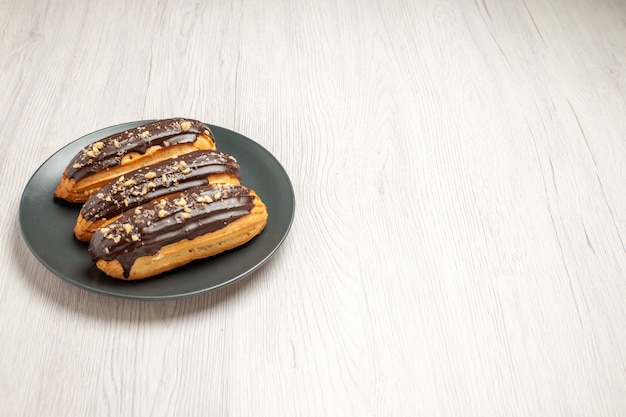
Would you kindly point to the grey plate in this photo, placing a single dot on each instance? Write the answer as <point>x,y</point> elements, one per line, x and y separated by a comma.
<point>47,225</point>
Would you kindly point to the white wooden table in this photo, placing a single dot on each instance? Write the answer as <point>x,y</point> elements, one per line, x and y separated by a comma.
<point>459,245</point>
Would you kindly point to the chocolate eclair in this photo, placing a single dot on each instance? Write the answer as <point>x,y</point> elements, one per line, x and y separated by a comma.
<point>154,181</point>
<point>173,231</point>
<point>113,156</point>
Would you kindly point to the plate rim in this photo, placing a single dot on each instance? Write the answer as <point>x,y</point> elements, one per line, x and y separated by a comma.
<point>116,294</point>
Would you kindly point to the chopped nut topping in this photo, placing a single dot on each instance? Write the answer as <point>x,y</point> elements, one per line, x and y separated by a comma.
<point>185,126</point>
<point>137,211</point>
<point>162,213</point>
<point>204,199</point>
<point>150,175</point>
<point>98,145</point>
<point>186,170</point>
<point>185,215</point>
<point>116,143</point>
<point>77,166</point>
<point>105,231</point>
<point>128,183</point>
<point>145,134</point>
<point>127,227</point>
<point>134,238</point>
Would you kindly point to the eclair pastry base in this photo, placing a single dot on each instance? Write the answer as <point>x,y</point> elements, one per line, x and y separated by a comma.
<point>80,191</point>
<point>84,229</point>
<point>185,251</point>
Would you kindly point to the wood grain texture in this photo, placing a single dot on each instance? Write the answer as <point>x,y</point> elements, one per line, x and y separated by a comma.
<point>459,245</point>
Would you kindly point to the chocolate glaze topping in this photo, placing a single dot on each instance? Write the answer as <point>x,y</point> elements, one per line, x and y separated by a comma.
<point>154,181</point>
<point>108,152</point>
<point>147,228</point>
